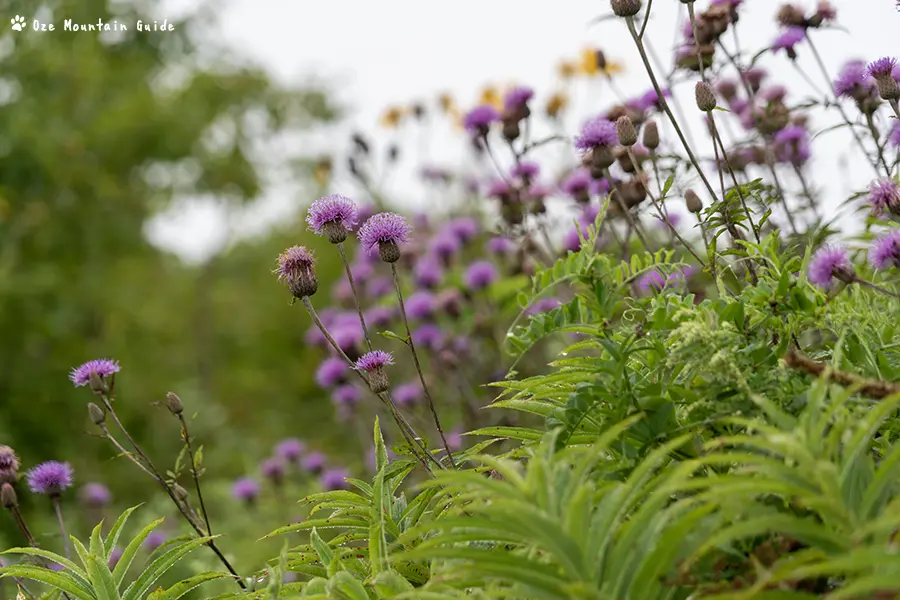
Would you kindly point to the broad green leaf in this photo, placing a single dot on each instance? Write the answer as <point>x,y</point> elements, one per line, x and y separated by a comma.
<point>59,580</point>
<point>131,550</point>
<point>160,566</point>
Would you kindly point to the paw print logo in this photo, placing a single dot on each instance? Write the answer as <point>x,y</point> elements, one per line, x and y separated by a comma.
<point>18,23</point>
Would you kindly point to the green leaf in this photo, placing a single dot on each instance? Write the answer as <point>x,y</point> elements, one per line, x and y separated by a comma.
<point>113,538</point>
<point>161,565</point>
<point>101,578</point>
<point>59,580</point>
<point>52,557</point>
<point>183,587</point>
<point>131,550</point>
<point>345,587</point>
<point>389,583</point>
<point>377,517</point>
<point>667,185</point>
<point>322,549</point>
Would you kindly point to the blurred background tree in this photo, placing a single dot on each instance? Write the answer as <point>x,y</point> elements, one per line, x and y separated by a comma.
<point>98,133</point>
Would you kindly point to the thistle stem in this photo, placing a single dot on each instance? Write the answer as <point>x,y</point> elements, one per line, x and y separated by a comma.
<point>877,288</point>
<point>625,212</point>
<point>362,320</point>
<point>415,356</point>
<point>187,442</point>
<point>57,508</point>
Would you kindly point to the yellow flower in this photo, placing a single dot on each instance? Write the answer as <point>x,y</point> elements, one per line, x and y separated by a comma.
<point>614,67</point>
<point>490,95</point>
<point>556,103</point>
<point>322,171</point>
<point>567,69</point>
<point>588,63</point>
<point>392,116</point>
<point>447,102</point>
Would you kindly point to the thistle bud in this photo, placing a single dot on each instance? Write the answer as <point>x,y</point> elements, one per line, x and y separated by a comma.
<point>296,267</point>
<point>8,496</point>
<point>96,413</point>
<point>626,131</point>
<point>9,465</point>
<point>651,135</point>
<point>706,98</point>
<point>625,8</point>
<point>174,404</point>
<point>602,157</point>
<point>510,130</point>
<point>98,386</point>
<point>693,202</point>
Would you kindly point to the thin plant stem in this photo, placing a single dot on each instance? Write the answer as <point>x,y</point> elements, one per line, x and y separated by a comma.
<point>415,356</point>
<point>877,288</point>
<point>717,140</point>
<point>362,320</point>
<point>187,442</point>
<point>57,508</point>
<point>895,107</point>
<point>625,212</point>
<point>878,145</point>
<point>770,162</point>
<point>806,191</point>
<point>646,18</point>
<point>665,106</point>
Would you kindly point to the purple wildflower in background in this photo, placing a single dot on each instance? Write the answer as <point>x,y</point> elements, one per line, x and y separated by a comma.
<point>420,305</point>
<point>154,540</point>
<point>104,367</point>
<point>480,274</point>
<point>362,272</point>
<point>517,98</point>
<point>376,359</point>
<point>681,275</point>
<point>828,263</point>
<point>463,228</point>
<point>332,215</point>
<point>290,449</point>
<point>273,468</point>
<point>884,194</point>
<point>245,489</point>
<point>775,93</point>
<point>894,137</point>
<point>384,229</point>
<point>883,67</point>
<point>9,465</point>
<point>599,131</point>
<point>455,441</point>
<point>788,39</point>
<point>571,241</point>
<point>50,478</point>
<point>478,120</point>
<point>674,219</point>
<point>334,479</point>
<point>314,462</point>
<point>651,281</point>
<point>500,245</point>
<point>792,145</point>
<point>95,495</point>
<point>331,372</point>
<point>885,251</point>
<point>525,170</point>
<point>428,272</point>
<point>346,395</point>
<point>577,183</point>
<point>445,245</point>
<point>498,188</point>
<point>650,99</point>
<point>379,316</point>
<point>115,556</point>
<point>543,305</point>
<point>380,286</point>
<point>428,336</point>
<point>853,77</point>
<point>408,393</point>
<point>348,336</point>
<point>754,76</point>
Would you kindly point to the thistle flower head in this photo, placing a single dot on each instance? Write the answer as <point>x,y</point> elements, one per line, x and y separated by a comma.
<point>428,272</point>
<point>500,245</point>
<point>853,77</point>
<point>9,465</point>
<point>428,335</point>
<point>775,93</point>
<point>296,267</point>
<point>420,305</point>
<point>445,245</point>
<point>828,263</point>
<point>384,233</point>
<point>290,449</point>
<point>380,286</point>
<point>884,194</point>
<point>314,462</point>
<point>333,215</point>
<point>788,38</point>
<point>894,136</point>
<point>651,281</point>
<point>331,372</point>
<point>525,170</point>
<point>104,367</point>
<point>517,98</point>
<point>577,183</point>
<point>154,540</point>
<point>334,479</point>
<point>498,188</point>
<point>273,468</point>
<point>346,396</point>
<point>245,489</point>
<point>885,251</point>
<point>599,131</point>
<point>883,67</point>
<point>50,478</point>
<point>408,393</point>
<point>625,8</point>
<point>792,145</point>
<point>463,228</point>
<point>376,359</point>
<point>379,316</point>
<point>543,305</point>
<point>478,120</point>
<point>95,495</point>
<point>480,274</point>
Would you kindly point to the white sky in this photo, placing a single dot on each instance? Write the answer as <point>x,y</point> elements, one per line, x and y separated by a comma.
<point>396,51</point>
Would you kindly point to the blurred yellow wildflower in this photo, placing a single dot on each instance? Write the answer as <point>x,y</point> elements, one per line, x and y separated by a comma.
<point>448,104</point>
<point>593,63</point>
<point>556,103</point>
<point>491,95</point>
<point>322,171</point>
<point>392,116</point>
<point>567,69</point>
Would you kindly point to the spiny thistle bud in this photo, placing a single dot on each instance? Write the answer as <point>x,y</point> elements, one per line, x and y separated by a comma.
<point>706,98</point>
<point>180,493</point>
<point>626,131</point>
<point>96,413</point>
<point>373,364</point>
<point>602,157</point>
<point>881,71</point>
<point>790,16</point>
<point>651,135</point>
<point>9,465</point>
<point>511,130</point>
<point>296,266</point>
<point>174,404</point>
<point>625,8</point>
<point>384,232</point>
<point>693,202</point>
<point>8,496</point>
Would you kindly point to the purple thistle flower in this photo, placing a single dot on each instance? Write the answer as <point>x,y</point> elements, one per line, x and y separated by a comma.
<point>480,274</point>
<point>455,441</point>
<point>428,336</point>
<point>290,449</point>
<point>445,245</point>
<point>348,336</point>
<point>380,286</point>
<point>314,336</point>
<point>346,395</point>
<point>420,305</point>
<point>296,267</point>
<point>115,556</point>
<point>884,194</point>
<point>681,275</point>
<point>334,479</point>
<point>479,119</point>
<point>463,228</point>
<point>428,272</point>
<point>384,232</point>
<point>827,263</point>
<point>408,393</point>
<point>788,39</point>
<point>894,136</point>
<point>572,239</point>
<point>543,305</point>
<point>792,145</point>
<point>376,359</point>
<point>154,540</point>
<point>273,468</point>
<point>599,131</point>
<point>853,78</point>
<point>883,67</point>
<point>517,98</point>
<point>650,99</point>
<point>314,462</point>
<point>331,372</point>
<point>577,183</point>
<point>885,251</point>
<point>9,465</point>
<point>651,281</point>
<point>104,367</point>
<point>826,11</point>
<point>754,76</point>
<point>50,478</point>
<point>775,93</point>
<point>95,495</point>
<point>245,489</point>
<point>498,188</point>
<point>362,272</point>
<point>500,245</point>
<point>333,215</point>
<point>525,170</point>
<point>379,316</point>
